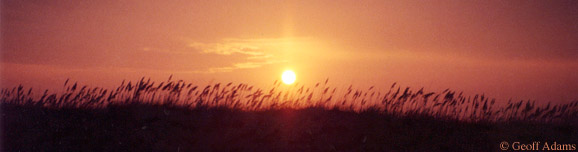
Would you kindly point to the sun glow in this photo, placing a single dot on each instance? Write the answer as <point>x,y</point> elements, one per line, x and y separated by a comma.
<point>288,77</point>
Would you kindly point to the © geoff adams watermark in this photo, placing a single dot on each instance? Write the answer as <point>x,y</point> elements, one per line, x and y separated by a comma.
<point>536,145</point>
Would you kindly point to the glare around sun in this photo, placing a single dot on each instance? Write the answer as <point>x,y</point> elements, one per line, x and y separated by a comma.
<point>288,77</point>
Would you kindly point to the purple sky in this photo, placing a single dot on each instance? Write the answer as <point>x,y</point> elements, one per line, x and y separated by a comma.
<point>505,49</point>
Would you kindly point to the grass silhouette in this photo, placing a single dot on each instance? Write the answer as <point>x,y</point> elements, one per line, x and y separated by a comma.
<point>178,116</point>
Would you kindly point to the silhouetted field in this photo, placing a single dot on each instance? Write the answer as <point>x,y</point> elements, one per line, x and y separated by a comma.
<point>179,116</point>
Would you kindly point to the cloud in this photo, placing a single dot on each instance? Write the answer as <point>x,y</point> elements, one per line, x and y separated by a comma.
<point>226,55</point>
<point>227,48</point>
<point>255,52</point>
<point>243,65</point>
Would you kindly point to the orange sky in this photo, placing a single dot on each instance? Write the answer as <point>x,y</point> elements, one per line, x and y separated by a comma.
<point>505,49</point>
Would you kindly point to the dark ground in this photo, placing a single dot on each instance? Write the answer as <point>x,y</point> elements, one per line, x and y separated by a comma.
<point>142,127</point>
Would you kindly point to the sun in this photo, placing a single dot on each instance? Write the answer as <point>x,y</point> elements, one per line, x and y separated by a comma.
<point>288,77</point>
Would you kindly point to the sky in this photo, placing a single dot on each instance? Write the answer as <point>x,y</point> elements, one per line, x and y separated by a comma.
<point>523,50</point>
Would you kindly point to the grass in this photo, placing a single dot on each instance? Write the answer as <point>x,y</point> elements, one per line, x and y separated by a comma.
<point>178,116</point>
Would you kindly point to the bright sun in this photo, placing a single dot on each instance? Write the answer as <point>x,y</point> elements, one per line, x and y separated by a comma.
<point>288,77</point>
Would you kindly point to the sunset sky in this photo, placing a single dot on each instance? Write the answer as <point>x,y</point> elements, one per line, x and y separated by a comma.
<point>504,49</point>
